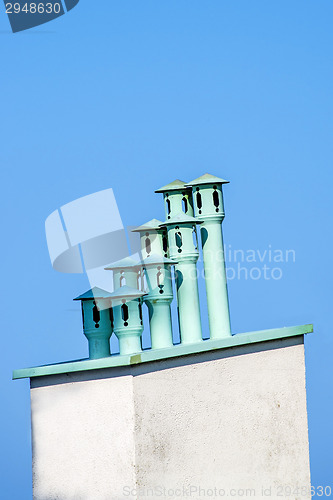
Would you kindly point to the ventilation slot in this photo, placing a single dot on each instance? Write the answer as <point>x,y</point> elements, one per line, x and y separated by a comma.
<point>168,205</point>
<point>159,277</point>
<point>199,200</point>
<point>195,238</point>
<point>148,244</point>
<point>96,315</point>
<point>122,281</point>
<point>184,204</point>
<point>216,199</point>
<point>179,240</point>
<point>165,245</point>
<point>140,312</point>
<point>124,314</point>
<point>139,281</point>
<point>111,317</point>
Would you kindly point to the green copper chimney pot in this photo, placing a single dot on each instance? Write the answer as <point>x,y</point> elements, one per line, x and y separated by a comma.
<point>126,271</point>
<point>97,321</point>
<point>157,271</point>
<point>177,199</point>
<point>158,278</point>
<point>208,196</point>
<point>154,239</point>
<point>128,322</point>
<point>209,209</point>
<point>183,248</point>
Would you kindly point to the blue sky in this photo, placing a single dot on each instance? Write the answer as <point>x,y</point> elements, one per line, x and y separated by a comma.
<point>132,95</point>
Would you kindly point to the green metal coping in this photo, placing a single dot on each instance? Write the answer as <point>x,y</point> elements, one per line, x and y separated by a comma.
<point>159,354</point>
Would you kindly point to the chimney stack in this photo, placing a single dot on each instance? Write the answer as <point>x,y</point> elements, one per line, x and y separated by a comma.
<point>183,248</point>
<point>209,209</point>
<point>157,273</point>
<point>97,321</point>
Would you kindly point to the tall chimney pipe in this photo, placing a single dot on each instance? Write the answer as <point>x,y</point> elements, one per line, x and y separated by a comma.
<point>209,209</point>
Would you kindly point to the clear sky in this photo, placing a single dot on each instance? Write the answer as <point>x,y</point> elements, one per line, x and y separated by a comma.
<point>132,95</point>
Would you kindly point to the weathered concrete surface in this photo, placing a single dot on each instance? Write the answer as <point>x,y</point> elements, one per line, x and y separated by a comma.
<point>230,422</point>
<point>82,435</point>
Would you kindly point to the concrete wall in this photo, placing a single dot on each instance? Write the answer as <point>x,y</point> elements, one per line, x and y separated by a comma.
<point>217,424</point>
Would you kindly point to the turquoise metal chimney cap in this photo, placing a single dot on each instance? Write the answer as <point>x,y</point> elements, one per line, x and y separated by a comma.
<point>155,260</point>
<point>148,226</point>
<point>173,186</point>
<point>126,292</point>
<point>94,293</point>
<point>127,262</point>
<point>181,218</point>
<point>207,179</point>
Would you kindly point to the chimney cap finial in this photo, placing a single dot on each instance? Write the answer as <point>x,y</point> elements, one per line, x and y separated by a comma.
<point>176,185</point>
<point>181,218</point>
<point>148,226</point>
<point>126,291</point>
<point>127,262</point>
<point>155,260</point>
<point>94,293</point>
<point>207,179</point>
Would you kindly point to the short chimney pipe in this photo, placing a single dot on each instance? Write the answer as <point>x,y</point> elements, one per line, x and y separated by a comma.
<point>128,322</point>
<point>97,321</point>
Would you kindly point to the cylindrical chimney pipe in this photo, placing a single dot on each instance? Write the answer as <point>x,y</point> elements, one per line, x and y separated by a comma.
<point>153,238</point>
<point>128,322</point>
<point>159,296</point>
<point>97,321</point>
<point>209,209</point>
<point>177,199</point>
<point>157,271</point>
<point>183,249</point>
